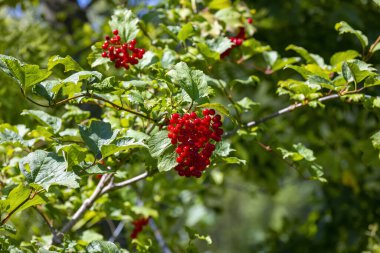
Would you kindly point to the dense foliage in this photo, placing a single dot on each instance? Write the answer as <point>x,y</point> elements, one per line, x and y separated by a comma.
<point>189,126</point>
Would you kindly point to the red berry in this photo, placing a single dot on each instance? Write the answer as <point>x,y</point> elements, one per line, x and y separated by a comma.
<point>115,32</point>
<point>104,54</point>
<point>249,20</point>
<point>133,42</point>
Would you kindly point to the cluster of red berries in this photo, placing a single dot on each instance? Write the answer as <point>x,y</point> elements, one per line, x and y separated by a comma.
<point>237,40</point>
<point>139,225</point>
<point>119,52</point>
<point>192,136</point>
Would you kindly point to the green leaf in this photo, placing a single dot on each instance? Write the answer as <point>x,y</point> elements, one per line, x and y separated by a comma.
<point>45,89</point>
<point>304,72</point>
<point>376,140</point>
<point>168,58</point>
<point>347,73</point>
<point>229,16</point>
<point>186,31</point>
<point>21,194</point>
<point>193,82</point>
<point>89,76</point>
<point>167,160</point>
<point>317,173</point>
<point>248,81</point>
<point>342,27</point>
<point>9,228</point>
<point>218,107</point>
<point>314,81</point>
<point>246,103</point>
<point>74,153</point>
<point>195,235</point>
<point>357,71</point>
<point>223,149</point>
<point>98,134</point>
<point>219,44</point>
<point>126,23</point>
<point>45,119</point>
<point>206,51</point>
<point>234,160</point>
<point>310,58</point>
<point>8,136</point>
<point>107,85</point>
<point>102,247</point>
<point>46,168</point>
<point>25,75</point>
<point>340,57</point>
<point>372,81</point>
<point>148,59</point>
<point>121,144</point>
<point>158,143</point>
<point>306,153</point>
<point>69,63</point>
<point>219,4</point>
<point>376,102</point>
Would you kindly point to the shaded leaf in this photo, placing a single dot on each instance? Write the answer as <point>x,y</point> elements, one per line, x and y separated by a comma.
<point>99,133</point>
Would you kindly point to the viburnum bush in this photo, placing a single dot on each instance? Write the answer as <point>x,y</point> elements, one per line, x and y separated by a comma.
<point>140,143</point>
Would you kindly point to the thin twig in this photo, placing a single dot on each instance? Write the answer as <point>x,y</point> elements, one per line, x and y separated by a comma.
<point>122,108</point>
<point>370,51</point>
<point>48,223</point>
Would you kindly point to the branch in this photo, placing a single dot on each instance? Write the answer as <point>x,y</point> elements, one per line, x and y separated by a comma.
<point>105,185</point>
<point>288,109</point>
<point>113,186</point>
